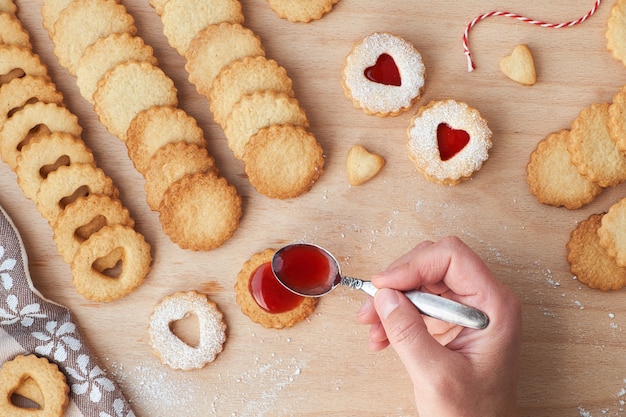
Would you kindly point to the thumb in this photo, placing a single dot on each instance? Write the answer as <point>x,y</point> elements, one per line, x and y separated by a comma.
<point>406,331</point>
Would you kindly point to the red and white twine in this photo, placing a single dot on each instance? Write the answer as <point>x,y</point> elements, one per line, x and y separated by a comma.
<point>470,63</point>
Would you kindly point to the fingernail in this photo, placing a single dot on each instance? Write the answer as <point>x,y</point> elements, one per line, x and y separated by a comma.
<point>386,301</point>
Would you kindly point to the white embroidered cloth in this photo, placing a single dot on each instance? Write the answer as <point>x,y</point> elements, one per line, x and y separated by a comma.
<point>31,324</point>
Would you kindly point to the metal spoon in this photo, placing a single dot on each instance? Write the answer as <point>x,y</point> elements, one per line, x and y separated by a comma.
<point>311,271</point>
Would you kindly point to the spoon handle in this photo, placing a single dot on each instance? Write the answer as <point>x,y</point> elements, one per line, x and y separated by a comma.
<point>432,305</point>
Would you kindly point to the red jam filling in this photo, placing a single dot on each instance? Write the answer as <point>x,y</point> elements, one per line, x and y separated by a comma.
<point>270,294</point>
<point>307,269</point>
<point>451,141</point>
<point>385,71</point>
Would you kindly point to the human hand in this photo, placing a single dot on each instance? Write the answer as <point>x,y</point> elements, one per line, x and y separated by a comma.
<point>455,371</point>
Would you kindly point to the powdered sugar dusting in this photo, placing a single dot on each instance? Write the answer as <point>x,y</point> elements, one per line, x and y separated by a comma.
<point>424,148</point>
<point>377,97</point>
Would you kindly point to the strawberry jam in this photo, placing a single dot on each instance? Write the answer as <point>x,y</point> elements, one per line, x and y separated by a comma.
<point>450,141</point>
<point>306,269</point>
<point>385,71</point>
<point>269,293</point>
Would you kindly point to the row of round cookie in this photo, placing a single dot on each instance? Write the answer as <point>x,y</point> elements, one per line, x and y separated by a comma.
<point>118,73</point>
<point>40,139</point>
<point>571,167</point>
<point>250,96</point>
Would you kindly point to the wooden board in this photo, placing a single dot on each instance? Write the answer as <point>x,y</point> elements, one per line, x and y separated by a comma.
<point>574,346</point>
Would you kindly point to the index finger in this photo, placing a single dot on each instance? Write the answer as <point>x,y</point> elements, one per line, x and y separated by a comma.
<point>448,263</point>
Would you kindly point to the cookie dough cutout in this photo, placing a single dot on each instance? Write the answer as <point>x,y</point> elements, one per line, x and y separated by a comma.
<point>588,259</point>
<point>520,66</point>
<point>200,211</point>
<point>383,75</point>
<point>593,151</point>
<point>552,177</point>
<point>17,61</point>
<point>85,216</point>
<point>45,154</point>
<point>169,348</point>
<point>104,250</point>
<point>34,120</point>
<point>362,165</point>
<point>303,11</point>
<point>53,395</point>
<point>448,141</point>
<point>24,90</point>
<point>67,183</point>
<point>612,232</point>
<point>264,300</point>
<point>283,161</point>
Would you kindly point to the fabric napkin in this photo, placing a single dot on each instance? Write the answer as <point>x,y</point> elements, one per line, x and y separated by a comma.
<point>29,323</point>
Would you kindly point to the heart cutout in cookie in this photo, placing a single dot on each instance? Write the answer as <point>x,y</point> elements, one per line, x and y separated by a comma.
<point>450,141</point>
<point>519,66</point>
<point>385,71</point>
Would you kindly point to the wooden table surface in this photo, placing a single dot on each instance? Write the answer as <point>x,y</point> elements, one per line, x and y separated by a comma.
<point>574,347</point>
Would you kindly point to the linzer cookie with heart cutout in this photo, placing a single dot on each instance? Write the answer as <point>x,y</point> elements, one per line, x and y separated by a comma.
<point>448,141</point>
<point>383,75</point>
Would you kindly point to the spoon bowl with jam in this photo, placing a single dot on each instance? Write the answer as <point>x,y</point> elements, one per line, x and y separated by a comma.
<point>311,271</point>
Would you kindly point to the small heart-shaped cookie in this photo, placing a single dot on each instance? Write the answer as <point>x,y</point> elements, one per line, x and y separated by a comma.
<point>519,66</point>
<point>362,165</point>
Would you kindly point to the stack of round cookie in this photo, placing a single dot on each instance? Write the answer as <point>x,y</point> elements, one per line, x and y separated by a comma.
<point>137,102</point>
<point>40,139</point>
<point>250,96</point>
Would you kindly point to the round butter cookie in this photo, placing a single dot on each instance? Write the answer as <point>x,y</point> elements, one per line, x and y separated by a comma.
<point>589,260</point>
<point>172,162</point>
<point>383,75</point>
<point>448,141</point>
<point>156,127</point>
<point>258,110</point>
<point>200,211</point>
<point>552,177</point>
<point>184,19</point>
<point>244,77</point>
<point>216,47</point>
<point>283,161</point>
<point>264,299</point>
<point>12,32</point>
<point>301,10</point>
<point>82,23</point>
<point>128,89</point>
<point>104,55</point>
